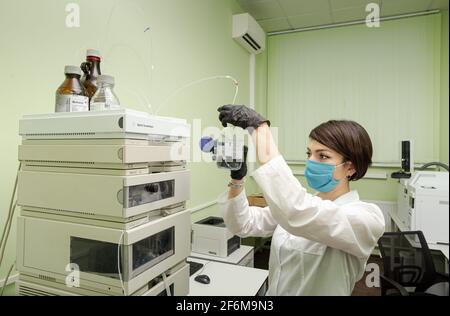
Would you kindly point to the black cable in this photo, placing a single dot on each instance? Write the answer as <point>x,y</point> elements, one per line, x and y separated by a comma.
<point>434,163</point>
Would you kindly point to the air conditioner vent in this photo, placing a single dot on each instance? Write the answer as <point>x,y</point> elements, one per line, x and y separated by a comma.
<point>248,33</point>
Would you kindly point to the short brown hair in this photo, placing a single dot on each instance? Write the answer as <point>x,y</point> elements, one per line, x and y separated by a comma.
<point>350,140</point>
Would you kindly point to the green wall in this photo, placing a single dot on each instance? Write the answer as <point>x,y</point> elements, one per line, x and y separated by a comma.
<point>379,189</point>
<point>444,90</point>
<point>188,40</point>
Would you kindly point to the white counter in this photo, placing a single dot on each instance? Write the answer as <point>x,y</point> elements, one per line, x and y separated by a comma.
<point>227,279</point>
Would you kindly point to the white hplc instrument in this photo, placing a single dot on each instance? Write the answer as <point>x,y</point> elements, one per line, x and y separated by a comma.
<point>122,142</point>
<point>113,157</point>
<point>423,204</point>
<point>119,124</point>
<point>177,280</point>
<point>101,196</point>
<point>103,204</point>
<point>48,248</point>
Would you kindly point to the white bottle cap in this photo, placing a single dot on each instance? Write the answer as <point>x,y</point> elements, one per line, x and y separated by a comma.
<point>93,53</point>
<point>72,70</point>
<point>105,79</point>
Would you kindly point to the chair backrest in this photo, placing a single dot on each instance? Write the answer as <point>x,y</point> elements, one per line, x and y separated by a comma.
<point>407,262</point>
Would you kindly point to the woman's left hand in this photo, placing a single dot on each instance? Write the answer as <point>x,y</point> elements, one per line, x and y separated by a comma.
<point>241,116</point>
<point>246,118</point>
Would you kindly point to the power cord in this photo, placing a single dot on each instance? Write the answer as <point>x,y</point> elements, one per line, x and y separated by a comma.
<point>203,268</point>
<point>6,231</point>
<point>118,261</point>
<point>7,228</point>
<point>166,285</point>
<point>7,277</point>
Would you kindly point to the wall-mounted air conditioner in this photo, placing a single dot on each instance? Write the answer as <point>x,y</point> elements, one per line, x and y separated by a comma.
<point>248,33</point>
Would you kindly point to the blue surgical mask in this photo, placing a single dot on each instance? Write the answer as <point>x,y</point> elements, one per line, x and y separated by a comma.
<point>320,176</point>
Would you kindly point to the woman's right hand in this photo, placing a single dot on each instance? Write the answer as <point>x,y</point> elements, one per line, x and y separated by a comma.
<point>257,125</point>
<point>242,172</point>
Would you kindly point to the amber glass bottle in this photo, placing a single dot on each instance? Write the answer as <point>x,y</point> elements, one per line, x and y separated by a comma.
<point>91,70</point>
<point>71,95</point>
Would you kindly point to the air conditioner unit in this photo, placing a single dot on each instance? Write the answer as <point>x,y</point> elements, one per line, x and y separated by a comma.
<point>248,33</point>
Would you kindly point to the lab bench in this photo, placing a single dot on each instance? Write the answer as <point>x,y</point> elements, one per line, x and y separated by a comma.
<point>228,280</point>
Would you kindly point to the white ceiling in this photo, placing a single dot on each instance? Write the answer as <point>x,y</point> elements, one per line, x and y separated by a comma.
<point>280,15</point>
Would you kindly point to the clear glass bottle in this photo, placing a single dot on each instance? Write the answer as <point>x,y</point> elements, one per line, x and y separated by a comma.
<point>71,95</point>
<point>105,98</point>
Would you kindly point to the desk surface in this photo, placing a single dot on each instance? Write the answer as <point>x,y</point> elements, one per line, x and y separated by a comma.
<point>235,257</point>
<point>227,279</point>
<point>443,248</point>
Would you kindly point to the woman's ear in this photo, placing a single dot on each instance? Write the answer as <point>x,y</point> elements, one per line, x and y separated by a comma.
<point>350,170</point>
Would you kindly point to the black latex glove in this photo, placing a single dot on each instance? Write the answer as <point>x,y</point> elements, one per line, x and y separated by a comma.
<point>241,173</point>
<point>241,116</point>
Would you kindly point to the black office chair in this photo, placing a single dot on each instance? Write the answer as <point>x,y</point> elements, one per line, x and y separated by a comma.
<point>408,270</point>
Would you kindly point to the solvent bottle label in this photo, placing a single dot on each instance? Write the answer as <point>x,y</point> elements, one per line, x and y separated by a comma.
<point>71,103</point>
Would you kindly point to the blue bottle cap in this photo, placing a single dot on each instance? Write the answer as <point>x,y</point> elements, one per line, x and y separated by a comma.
<point>206,144</point>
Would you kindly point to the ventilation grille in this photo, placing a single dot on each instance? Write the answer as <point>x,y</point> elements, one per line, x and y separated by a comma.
<point>60,134</point>
<point>46,278</point>
<point>77,212</point>
<point>28,291</point>
<point>47,210</point>
<point>60,161</point>
<point>83,213</point>
<point>250,41</point>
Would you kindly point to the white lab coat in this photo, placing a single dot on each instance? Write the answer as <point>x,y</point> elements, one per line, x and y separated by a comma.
<point>319,247</point>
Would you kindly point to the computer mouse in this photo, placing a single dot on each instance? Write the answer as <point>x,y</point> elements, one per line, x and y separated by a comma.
<point>202,278</point>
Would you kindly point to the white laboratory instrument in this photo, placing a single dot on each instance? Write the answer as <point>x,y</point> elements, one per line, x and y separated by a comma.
<point>47,248</point>
<point>211,237</point>
<point>177,281</point>
<point>103,204</point>
<point>423,204</point>
<point>101,196</point>
<point>118,124</point>
<point>102,156</point>
<point>122,142</point>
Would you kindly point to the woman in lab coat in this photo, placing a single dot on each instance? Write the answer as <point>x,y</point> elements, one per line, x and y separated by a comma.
<point>320,243</point>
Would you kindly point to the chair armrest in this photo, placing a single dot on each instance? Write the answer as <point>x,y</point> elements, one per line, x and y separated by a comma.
<point>394,285</point>
<point>441,277</point>
<point>438,278</point>
<point>408,270</point>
